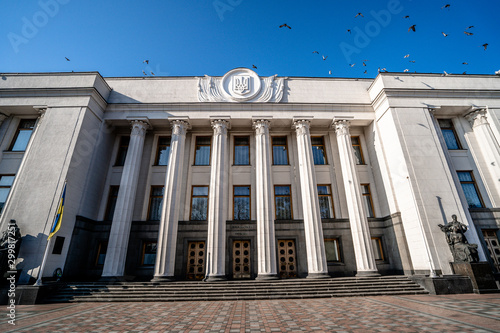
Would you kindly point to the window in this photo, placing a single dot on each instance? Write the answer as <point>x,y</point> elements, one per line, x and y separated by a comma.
<point>332,249</point>
<point>318,149</point>
<point>148,253</point>
<point>470,189</point>
<point>280,151</point>
<point>241,203</point>
<point>367,196</point>
<point>325,201</point>
<point>493,245</point>
<point>202,150</point>
<point>449,134</point>
<point>283,202</point>
<point>102,247</point>
<point>23,134</point>
<point>58,245</point>
<point>155,203</point>
<point>5,185</point>
<point>241,150</point>
<point>377,248</point>
<point>163,150</point>
<point>199,203</point>
<point>358,152</point>
<point>110,207</point>
<point>122,151</point>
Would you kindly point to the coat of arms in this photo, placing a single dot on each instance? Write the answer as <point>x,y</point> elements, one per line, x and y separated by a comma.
<point>241,84</point>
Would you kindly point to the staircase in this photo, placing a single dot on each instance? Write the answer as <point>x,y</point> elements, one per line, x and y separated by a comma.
<point>234,290</point>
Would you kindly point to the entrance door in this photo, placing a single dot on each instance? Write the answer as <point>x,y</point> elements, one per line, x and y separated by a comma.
<point>287,258</point>
<point>241,259</point>
<point>491,239</point>
<point>196,261</point>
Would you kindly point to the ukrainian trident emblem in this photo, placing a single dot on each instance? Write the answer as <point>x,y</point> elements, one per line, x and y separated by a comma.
<point>241,84</point>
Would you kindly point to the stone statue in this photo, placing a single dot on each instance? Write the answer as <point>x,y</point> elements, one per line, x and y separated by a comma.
<point>12,237</point>
<point>460,248</point>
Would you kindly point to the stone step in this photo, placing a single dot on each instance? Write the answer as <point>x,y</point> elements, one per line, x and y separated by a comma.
<point>235,290</point>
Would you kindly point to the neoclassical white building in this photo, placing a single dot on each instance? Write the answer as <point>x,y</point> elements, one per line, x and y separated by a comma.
<point>248,177</point>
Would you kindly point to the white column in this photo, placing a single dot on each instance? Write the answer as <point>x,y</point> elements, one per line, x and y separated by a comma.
<point>313,229</point>
<point>365,260</point>
<point>216,238</point>
<point>114,264</point>
<point>167,235</point>
<point>488,146</point>
<point>266,248</point>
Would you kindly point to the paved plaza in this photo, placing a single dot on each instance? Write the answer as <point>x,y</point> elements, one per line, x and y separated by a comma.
<point>447,313</point>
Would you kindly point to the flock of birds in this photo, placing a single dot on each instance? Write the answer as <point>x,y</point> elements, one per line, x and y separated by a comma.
<point>412,28</point>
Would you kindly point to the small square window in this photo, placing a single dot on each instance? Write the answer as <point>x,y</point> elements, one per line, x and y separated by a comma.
<point>332,250</point>
<point>23,135</point>
<point>378,251</point>
<point>163,150</point>
<point>148,253</point>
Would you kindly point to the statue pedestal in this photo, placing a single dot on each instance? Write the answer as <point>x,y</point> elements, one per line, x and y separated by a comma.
<point>480,275</point>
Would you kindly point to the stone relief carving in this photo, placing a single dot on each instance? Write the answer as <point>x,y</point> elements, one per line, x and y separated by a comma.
<point>240,85</point>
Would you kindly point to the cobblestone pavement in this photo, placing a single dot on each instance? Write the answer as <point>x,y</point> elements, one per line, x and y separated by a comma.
<point>446,313</point>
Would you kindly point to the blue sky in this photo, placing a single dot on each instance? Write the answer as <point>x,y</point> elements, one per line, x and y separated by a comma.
<point>195,37</point>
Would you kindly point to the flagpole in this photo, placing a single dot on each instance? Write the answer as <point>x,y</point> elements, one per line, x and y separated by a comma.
<point>42,266</point>
<point>47,246</point>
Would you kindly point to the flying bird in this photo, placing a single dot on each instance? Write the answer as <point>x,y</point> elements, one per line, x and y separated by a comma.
<point>407,16</point>
<point>497,72</point>
<point>470,27</point>
<point>406,70</point>
<point>485,46</point>
<point>468,33</point>
<point>253,66</point>
<point>413,61</point>
<point>365,72</point>
<point>316,52</point>
<point>445,73</point>
<point>359,14</point>
<point>352,65</point>
<point>143,72</point>
<point>406,56</point>
<point>364,64</point>
<point>464,73</point>
<point>324,57</point>
<point>382,69</point>
<point>146,61</point>
<point>349,30</point>
<point>412,27</point>
<point>67,59</point>
<point>446,6</point>
<point>330,72</point>
<point>152,73</point>
<point>446,35</point>
<point>285,25</point>
<point>465,63</point>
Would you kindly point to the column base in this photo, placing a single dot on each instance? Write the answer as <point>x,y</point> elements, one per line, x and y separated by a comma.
<point>267,277</point>
<point>163,279</point>
<point>367,274</point>
<point>318,276</point>
<point>215,278</point>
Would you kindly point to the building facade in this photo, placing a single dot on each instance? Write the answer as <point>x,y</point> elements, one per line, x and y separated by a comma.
<point>248,177</point>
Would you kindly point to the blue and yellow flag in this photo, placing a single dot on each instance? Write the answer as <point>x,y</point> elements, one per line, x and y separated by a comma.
<point>59,215</point>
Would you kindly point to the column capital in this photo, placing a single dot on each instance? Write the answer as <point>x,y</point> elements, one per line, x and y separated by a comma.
<point>179,127</point>
<point>260,123</point>
<point>139,127</point>
<point>301,126</point>
<point>220,126</point>
<point>341,126</point>
<point>477,117</point>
